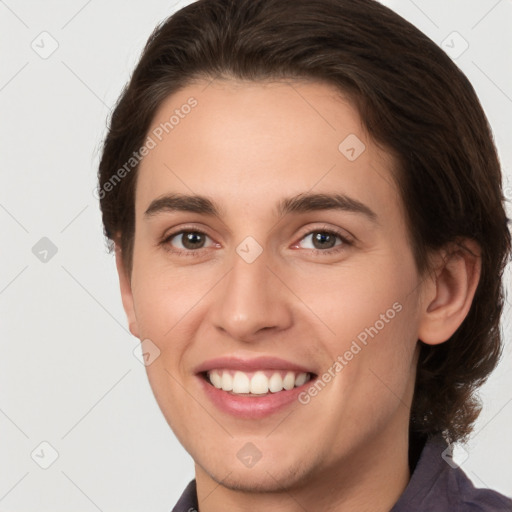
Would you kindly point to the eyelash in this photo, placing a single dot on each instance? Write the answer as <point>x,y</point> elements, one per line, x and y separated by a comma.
<point>317,252</point>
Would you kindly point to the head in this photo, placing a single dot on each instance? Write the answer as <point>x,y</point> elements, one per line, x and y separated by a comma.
<point>259,104</point>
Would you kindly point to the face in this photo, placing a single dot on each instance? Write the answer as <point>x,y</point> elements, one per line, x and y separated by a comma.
<point>282,305</point>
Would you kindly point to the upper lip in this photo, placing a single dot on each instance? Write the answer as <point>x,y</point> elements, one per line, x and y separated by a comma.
<point>248,365</point>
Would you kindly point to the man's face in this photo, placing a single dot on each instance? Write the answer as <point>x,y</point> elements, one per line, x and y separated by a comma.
<point>258,298</point>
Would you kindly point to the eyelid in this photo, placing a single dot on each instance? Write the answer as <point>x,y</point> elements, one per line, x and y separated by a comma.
<point>194,228</point>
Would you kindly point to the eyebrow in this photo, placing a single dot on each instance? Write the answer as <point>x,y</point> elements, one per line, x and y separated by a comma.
<point>301,203</point>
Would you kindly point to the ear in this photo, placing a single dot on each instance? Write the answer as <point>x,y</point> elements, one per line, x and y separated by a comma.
<point>449,291</point>
<point>126,292</point>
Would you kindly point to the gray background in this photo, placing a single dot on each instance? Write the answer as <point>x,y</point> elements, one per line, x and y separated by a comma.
<point>68,373</point>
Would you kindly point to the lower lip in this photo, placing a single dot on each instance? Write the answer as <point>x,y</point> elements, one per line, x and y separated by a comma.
<point>252,407</point>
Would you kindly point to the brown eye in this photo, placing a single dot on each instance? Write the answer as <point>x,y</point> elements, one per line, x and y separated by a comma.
<point>324,239</point>
<point>192,239</point>
<point>187,242</point>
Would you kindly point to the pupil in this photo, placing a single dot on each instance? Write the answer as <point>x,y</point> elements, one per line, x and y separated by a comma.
<point>322,237</point>
<point>190,239</point>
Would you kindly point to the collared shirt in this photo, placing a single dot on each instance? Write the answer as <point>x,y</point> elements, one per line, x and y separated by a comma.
<point>437,484</point>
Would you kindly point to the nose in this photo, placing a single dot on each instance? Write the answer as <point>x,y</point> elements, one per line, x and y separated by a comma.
<point>251,302</point>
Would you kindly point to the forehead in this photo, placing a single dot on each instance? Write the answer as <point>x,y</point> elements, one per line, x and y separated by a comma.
<point>248,144</point>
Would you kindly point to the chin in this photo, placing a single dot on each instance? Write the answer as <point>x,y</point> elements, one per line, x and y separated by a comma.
<point>263,477</point>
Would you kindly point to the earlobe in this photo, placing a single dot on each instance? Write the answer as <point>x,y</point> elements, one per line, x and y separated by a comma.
<point>126,292</point>
<point>449,292</point>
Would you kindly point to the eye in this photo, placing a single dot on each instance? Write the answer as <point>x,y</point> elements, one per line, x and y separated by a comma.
<point>187,242</point>
<point>325,241</point>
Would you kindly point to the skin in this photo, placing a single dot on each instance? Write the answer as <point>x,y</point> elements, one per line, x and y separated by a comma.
<point>246,146</point>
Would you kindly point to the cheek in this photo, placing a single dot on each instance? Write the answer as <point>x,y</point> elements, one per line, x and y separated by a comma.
<point>358,299</point>
<point>379,363</point>
<point>165,297</point>
<point>371,313</point>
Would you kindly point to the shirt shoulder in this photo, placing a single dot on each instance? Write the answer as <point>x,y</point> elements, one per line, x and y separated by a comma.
<point>474,499</point>
<point>438,484</point>
<point>188,500</point>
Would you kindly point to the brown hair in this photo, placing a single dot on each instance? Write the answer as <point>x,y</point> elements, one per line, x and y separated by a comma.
<point>413,101</point>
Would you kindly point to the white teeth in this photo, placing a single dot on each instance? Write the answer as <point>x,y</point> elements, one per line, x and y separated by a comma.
<point>289,381</point>
<point>256,383</point>
<point>259,383</point>
<point>241,383</point>
<point>216,379</point>
<point>301,379</point>
<point>227,381</point>
<point>275,383</point>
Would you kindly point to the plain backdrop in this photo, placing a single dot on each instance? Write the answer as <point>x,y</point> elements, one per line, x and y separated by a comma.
<point>73,395</point>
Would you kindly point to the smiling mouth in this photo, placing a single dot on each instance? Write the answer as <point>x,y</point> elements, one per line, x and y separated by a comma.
<point>256,383</point>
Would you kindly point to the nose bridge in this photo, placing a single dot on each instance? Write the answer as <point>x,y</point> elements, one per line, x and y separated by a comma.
<point>251,298</point>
